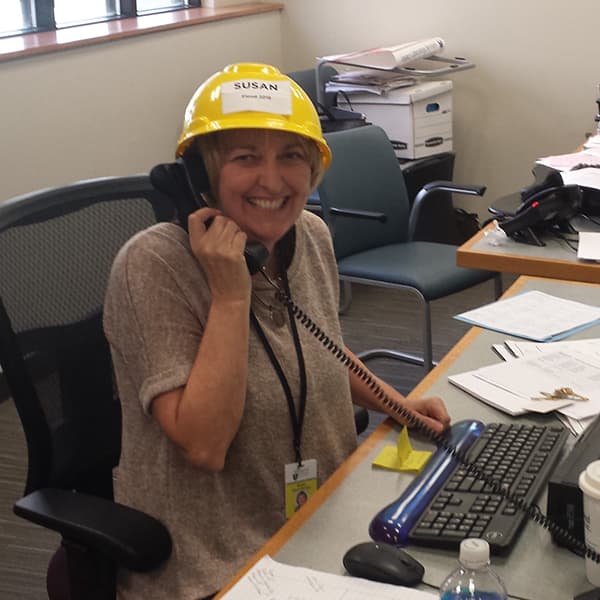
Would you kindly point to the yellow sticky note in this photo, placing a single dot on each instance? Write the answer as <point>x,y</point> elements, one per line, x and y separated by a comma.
<point>402,457</point>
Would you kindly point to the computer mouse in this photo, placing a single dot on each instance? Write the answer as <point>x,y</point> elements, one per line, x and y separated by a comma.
<point>384,563</point>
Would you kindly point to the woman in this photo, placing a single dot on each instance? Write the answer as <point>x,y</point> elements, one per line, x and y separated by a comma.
<point>224,416</point>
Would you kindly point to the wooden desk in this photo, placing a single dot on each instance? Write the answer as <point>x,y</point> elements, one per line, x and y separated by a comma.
<point>339,514</point>
<point>555,259</point>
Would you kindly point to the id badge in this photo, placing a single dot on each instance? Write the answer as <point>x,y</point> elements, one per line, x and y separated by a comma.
<point>300,484</point>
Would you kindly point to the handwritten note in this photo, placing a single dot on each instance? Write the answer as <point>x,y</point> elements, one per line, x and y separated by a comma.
<point>271,580</point>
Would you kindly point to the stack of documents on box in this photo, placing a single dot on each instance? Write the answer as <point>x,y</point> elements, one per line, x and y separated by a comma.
<point>534,315</point>
<point>390,57</point>
<point>379,82</point>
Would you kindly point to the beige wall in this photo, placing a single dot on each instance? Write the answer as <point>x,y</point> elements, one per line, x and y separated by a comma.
<point>116,108</point>
<point>113,108</point>
<point>532,92</point>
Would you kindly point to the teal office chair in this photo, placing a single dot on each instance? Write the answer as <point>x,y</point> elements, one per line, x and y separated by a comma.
<point>366,206</point>
<point>57,248</point>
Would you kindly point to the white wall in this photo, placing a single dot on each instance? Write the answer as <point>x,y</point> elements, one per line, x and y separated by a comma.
<point>114,108</point>
<point>531,94</point>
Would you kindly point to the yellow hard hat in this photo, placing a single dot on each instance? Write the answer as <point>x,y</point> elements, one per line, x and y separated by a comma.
<point>251,96</point>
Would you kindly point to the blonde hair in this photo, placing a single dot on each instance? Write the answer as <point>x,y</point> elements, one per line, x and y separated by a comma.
<point>212,150</point>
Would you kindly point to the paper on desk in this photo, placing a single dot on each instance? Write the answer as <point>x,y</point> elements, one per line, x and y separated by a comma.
<point>501,398</point>
<point>520,348</point>
<point>546,372</point>
<point>534,315</point>
<point>566,162</point>
<point>271,580</point>
<point>589,245</point>
<point>592,142</point>
<point>588,177</point>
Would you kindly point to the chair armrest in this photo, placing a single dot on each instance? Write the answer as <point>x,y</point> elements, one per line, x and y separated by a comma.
<point>360,214</point>
<point>129,537</point>
<point>442,186</point>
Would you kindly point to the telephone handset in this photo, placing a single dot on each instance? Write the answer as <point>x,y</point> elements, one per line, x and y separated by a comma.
<point>544,205</point>
<point>184,181</point>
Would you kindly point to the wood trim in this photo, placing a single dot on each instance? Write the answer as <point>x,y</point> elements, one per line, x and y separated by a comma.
<point>275,544</point>
<point>568,270</point>
<point>74,37</point>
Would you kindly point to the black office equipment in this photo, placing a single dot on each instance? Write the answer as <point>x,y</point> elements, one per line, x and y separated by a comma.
<point>545,206</point>
<point>383,563</point>
<point>449,504</point>
<point>565,500</point>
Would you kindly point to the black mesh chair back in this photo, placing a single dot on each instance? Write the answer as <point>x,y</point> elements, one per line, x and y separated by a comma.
<point>57,248</point>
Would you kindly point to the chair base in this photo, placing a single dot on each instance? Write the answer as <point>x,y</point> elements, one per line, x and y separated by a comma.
<point>394,354</point>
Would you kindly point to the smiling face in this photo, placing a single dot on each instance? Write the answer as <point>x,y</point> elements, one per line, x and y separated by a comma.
<point>263,181</point>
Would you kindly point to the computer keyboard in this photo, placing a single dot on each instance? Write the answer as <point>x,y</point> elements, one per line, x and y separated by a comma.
<point>445,504</point>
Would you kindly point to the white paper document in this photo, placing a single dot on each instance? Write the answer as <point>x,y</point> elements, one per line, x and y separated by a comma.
<point>391,57</point>
<point>271,580</point>
<point>520,348</point>
<point>589,246</point>
<point>588,177</point>
<point>501,398</point>
<point>513,386</point>
<point>534,315</point>
<point>574,160</point>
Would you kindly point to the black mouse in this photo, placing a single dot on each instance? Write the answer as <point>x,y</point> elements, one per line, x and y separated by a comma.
<point>384,563</point>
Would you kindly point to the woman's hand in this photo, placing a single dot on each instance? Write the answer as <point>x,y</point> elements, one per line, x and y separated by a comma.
<point>432,411</point>
<point>219,248</point>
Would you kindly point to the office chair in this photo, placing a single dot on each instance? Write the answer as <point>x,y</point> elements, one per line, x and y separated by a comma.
<point>57,247</point>
<point>307,80</point>
<point>366,206</point>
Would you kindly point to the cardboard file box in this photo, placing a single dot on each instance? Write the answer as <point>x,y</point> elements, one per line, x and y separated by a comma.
<point>417,119</point>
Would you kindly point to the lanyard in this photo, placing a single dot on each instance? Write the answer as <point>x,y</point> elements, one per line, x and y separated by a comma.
<point>296,417</point>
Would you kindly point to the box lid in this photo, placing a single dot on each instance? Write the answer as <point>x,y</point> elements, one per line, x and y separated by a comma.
<point>406,95</point>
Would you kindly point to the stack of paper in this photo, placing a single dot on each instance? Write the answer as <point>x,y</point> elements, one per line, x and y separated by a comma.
<point>520,386</point>
<point>534,371</point>
<point>378,82</point>
<point>391,57</point>
<point>589,245</point>
<point>535,316</point>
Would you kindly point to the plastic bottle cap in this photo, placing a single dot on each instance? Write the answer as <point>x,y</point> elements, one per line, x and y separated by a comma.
<point>474,553</point>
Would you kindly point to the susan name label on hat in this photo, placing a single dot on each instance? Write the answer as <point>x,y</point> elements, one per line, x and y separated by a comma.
<point>257,95</point>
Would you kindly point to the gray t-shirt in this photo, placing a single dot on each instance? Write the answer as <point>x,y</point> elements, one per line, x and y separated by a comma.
<point>155,312</point>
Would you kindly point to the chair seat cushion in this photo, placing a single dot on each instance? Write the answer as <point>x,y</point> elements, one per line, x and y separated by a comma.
<point>426,266</point>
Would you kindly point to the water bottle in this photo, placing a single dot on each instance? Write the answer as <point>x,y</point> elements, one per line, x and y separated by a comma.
<point>474,579</point>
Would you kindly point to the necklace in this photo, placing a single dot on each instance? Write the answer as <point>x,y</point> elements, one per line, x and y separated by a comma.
<point>276,310</point>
